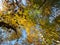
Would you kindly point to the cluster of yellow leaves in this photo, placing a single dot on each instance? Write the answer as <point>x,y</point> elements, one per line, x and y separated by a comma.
<point>15,21</point>
<point>42,22</point>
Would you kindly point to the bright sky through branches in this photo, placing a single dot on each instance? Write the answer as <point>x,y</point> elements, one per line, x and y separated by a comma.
<point>1,5</point>
<point>24,2</point>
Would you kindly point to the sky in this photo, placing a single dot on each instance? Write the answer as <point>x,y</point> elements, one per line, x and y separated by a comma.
<point>24,2</point>
<point>0,4</point>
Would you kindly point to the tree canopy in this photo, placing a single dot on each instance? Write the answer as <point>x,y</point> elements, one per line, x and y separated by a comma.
<point>32,22</point>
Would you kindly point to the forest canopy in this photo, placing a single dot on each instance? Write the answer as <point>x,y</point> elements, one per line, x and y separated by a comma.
<point>30,22</point>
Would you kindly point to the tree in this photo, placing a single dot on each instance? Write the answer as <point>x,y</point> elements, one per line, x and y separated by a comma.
<point>34,19</point>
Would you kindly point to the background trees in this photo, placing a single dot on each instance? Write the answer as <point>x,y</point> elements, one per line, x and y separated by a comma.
<point>38,20</point>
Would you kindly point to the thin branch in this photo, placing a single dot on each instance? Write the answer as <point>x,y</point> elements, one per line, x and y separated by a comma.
<point>3,24</point>
<point>42,4</point>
